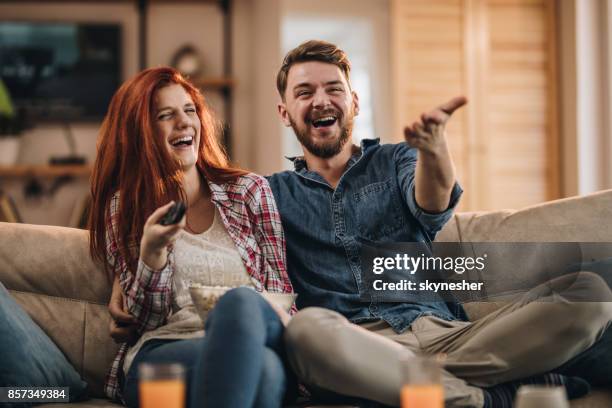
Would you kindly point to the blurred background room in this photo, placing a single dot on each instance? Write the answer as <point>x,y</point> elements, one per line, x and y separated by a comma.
<point>536,72</point>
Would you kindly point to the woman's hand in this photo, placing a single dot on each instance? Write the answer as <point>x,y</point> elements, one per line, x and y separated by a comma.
<point>156,238</point>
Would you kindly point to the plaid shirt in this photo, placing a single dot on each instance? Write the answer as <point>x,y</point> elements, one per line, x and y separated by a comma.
<point>252,220</point>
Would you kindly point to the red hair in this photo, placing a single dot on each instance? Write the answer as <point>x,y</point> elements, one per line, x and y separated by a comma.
<point>133,162</point>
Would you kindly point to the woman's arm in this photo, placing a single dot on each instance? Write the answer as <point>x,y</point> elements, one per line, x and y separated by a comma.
<point>148,293</point>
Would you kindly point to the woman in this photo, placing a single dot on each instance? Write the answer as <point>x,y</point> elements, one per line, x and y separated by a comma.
<point>159,144</point>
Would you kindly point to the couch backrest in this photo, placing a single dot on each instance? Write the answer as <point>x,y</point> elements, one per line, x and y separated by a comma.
<point>50,273</point>
<point>575,219</point>
<point>571,220</point>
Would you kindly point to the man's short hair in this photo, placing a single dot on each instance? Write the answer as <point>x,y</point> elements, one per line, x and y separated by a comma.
<point>313,50</point>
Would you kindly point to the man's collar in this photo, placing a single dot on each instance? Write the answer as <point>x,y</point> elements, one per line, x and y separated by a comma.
<point>299,162</point>
<point>367,143</point>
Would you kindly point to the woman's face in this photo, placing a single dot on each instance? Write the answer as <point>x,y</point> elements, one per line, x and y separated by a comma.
<point>178,124</point>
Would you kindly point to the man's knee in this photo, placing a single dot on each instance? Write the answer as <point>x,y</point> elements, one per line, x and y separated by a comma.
<point>592,288</point>
<point>589,307</point>
<point>310,326</point>
<point>589,319</point>
<point>310,340</point>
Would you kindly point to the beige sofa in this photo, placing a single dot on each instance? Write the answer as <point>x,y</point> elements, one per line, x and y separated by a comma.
<point>49,271</point>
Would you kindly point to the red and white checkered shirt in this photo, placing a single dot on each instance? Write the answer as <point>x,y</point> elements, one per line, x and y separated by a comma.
<point>249,213</point>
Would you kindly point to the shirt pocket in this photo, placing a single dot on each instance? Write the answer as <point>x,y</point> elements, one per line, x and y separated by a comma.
<point>379,210</point>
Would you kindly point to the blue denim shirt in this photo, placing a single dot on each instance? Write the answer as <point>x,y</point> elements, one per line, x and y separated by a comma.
<point>373,201</point>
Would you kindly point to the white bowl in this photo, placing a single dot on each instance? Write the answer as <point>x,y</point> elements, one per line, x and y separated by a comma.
<point>206,297</point>
<point>282,300</point>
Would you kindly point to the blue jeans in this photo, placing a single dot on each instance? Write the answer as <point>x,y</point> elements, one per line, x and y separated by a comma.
<point>239,363</point>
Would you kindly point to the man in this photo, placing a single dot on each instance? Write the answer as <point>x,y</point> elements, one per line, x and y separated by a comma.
<point>339,195</point>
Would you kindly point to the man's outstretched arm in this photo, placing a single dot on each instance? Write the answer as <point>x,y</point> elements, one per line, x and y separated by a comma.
<point>435,171</point>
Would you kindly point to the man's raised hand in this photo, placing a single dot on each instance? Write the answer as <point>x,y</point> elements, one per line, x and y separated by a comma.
<point>428,135</point>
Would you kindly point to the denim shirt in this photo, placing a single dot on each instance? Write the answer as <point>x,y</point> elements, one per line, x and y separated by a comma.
<point>373,201</point>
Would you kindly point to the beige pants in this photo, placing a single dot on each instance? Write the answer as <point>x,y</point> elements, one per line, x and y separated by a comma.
<point>543,329</point>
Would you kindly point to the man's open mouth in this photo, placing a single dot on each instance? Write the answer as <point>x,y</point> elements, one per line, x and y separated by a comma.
<point>324,121</point>
<point>182,141</point>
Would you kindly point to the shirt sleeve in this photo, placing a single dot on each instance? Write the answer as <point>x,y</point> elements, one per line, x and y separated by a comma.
<point>405,159</point>
<point>148,293</point>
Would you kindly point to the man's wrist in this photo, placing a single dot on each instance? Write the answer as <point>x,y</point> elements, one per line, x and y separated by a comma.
<point>434,152</point>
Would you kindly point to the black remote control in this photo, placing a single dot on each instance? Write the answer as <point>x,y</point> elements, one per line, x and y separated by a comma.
<point>174,214</point>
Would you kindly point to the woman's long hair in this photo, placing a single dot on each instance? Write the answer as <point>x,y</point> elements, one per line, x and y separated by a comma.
<point>134,163</point>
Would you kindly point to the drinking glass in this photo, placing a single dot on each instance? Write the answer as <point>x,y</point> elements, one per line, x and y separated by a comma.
<point>541,396</point>
<point>421,383</point>
<point>161,385</point>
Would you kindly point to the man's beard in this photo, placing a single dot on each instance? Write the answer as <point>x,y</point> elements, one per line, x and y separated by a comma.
<point>324,150</point>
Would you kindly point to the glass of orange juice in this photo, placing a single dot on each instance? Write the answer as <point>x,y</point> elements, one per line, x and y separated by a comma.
<point>161,385</point>
<point>421,383</point>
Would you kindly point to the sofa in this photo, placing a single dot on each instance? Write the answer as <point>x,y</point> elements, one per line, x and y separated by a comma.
<point>49,272</point>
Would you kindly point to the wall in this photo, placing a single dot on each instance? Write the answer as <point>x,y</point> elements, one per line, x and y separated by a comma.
<point>500,54</point>
<point>242,61</point>
<point>265,58</point>
<point>606,16</point>
<point>585,94</point>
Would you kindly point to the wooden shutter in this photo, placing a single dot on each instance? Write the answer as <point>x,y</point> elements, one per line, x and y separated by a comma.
<point>501,54</point>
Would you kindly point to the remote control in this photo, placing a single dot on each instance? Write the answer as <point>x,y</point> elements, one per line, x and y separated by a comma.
<point>174,214</point>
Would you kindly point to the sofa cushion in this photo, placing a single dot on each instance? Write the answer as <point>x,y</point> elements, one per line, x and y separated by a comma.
<point>29,358</point>
<point>51,260</point>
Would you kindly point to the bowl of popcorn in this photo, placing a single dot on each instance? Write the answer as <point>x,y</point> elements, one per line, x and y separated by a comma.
<point>206,297</point>
<point>282,300</point>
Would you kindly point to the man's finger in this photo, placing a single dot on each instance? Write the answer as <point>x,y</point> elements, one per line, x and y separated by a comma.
<point>117,312</point>
<point>420,131</point>
<point>452,105</point>
<point>122,334</point>
<point>437,117</point>
<point>119,315</point>
<point>408,131</point>
<point>116,306</point>
<point>123,317</point>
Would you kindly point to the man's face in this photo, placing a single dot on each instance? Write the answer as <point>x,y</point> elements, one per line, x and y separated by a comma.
<point>320,107</point>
